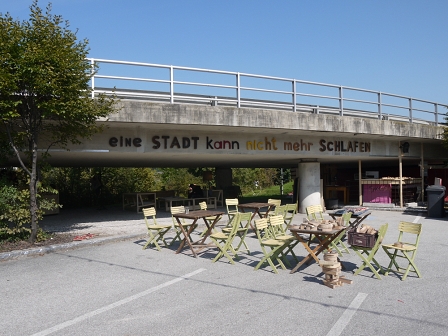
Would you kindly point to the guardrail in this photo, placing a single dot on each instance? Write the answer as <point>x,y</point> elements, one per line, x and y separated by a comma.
<point>176,84</point>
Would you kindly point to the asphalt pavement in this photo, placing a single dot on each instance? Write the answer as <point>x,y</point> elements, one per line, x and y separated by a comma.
<point>109,285</point>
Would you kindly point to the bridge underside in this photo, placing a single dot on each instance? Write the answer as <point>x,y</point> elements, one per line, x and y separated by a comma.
<point>147,134</point>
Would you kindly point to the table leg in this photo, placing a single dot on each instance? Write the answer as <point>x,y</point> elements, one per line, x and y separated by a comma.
<point>186,237</point>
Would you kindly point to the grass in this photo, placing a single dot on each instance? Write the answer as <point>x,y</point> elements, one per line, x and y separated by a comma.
<point>263,195</point>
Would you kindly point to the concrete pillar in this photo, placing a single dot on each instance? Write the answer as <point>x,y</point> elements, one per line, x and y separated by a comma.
<point>309,185</point>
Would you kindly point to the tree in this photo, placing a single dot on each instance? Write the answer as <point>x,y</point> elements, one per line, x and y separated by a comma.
<point>45,97</point>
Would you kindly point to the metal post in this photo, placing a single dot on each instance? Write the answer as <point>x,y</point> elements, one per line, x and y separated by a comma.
<point>294,102</point>
<point>171,85</point>
<point>437,114</point>
<point>238,91</point>
<point>360,183</point>
<point>410,110</point>
<point>422,173</point>
<point>380,110</point>
<point>92,69</point>
<point>341,103</point>
<point>400,172</point>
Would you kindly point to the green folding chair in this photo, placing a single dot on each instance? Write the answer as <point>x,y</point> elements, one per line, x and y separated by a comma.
<point>337,244</point>
<point>404,250</point>
<point>185,225</point>
<point>271,248</point>
<point>277,231</point>
<point>232,208</point>
<point>156,231</point>
<point>367,254</point>
<point>276,202</point>
<point>315,212</point>
<point>290,211</point>
<point>209,219</point>
<point>223,240</point>
<point>243,220</point>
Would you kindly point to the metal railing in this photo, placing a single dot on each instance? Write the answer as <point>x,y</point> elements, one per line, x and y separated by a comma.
<point>176,84</point>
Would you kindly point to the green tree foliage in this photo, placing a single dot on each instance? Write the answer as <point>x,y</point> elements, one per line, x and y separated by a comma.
<point>45,97</point>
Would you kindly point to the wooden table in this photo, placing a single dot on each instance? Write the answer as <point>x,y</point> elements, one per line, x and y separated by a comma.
<point>139,200</point>
<point>355,220</point>
<point>195,216</point>
<point>324,239</point>
<point>255,206</point>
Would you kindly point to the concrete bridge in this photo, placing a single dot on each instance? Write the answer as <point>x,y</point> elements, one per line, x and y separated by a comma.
<point>207,118</point>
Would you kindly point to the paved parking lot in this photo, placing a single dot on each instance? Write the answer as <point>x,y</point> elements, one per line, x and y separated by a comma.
<point>116,288</point>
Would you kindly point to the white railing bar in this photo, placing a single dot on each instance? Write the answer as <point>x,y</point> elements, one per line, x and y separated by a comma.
<point>133,78</point>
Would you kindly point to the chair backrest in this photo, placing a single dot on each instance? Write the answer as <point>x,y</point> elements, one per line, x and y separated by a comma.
<point>203,205</point>
<point>261,227</point>
<point>276,202</point>
<point>176,210</point>
<point>315,212</point>
<point>407,229</point>
<point>346,218</point>
<point>276,224</point>
<point>232,207</point>
<point>149,212</point>
<point>381,233</point>
<point>290,212</point>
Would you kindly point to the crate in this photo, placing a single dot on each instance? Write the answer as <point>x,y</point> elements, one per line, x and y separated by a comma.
<point>361,239</point>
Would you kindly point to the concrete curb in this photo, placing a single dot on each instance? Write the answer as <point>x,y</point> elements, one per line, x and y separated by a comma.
<point>54,248</point>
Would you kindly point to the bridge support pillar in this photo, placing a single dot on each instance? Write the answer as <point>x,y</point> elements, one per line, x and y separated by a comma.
<point>309,185</point>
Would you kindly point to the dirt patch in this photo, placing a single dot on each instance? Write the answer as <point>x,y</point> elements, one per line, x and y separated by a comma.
<point>60,238</point>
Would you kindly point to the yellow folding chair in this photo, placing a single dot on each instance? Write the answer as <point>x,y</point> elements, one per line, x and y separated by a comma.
<point>185,225</point>
<point>290,211</point>
<point>315,212</point>
<point>156,231</point>
<point>276,226</point>
<point>243,220</point>
<point>232,208</point>
<point>223,240</point>
<point>337,244</point>
<point>209,219</point>
<point>271,248</point>
<point>405,250</point>
<point>369,252</point>
<point>276,202</point>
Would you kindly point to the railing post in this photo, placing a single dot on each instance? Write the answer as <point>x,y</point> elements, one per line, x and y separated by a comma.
<point>380,110</point>
<point>92,79</point>
<point>341,102</point>
<point>294,97</point>
<point>410,111</point>
<point>238,91</point>
<point>436,110</point>
<point>171,85</point>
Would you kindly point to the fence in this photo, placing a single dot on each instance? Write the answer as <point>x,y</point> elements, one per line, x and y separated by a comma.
<point>176,84</point>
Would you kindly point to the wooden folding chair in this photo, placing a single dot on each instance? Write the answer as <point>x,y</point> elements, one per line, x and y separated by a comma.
<point>209,219</point>
<point>405,250</point>
<point>156,231</point>
<point>243,220</point>
<point>271,248</point>
<point>232,208</point>
<point>370,252</point>
<point>338,244</point>
<point>276,226</point>
<point>290,211</point>
<point>277,203</point>
<point>177,229</point>
<point>223,240</point>
<point>315,212</point>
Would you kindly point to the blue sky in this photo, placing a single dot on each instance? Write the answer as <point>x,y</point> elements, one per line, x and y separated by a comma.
<point>394,46</point>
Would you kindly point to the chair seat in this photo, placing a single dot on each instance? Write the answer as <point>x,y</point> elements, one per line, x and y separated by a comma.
<point>219,235</point>
<point>158,227</point>
<point>404,248</point>
<point>273,242</point>
<point>285,237</point>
